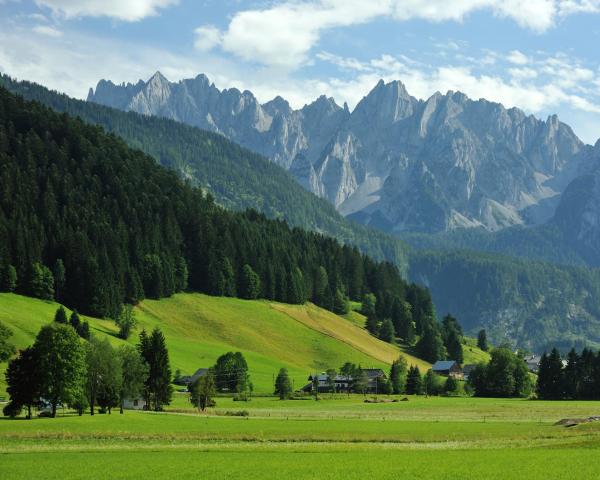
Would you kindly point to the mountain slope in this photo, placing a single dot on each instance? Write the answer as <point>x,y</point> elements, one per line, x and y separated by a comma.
<point>198,328</point>
<point>394,162</point>
<point>238,178</point>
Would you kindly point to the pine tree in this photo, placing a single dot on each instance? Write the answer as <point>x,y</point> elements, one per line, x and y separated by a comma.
<point>23,381</point>
<point>283,385</point>
<point>341,305</point>
<point>59,278</point>
<point>74,320</point>
<point>41,283</point>
<point>482,342</point>
<point>61,315</point>
<point>158,384</point>
<point>414,382</point>
<point>84,330</point>
<point>550,383</point>
<point>430,346</point>
<point>572,375</point>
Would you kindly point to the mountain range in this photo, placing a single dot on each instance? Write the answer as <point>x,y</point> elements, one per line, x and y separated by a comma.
<point>533,304</point>
<point>395,162</point>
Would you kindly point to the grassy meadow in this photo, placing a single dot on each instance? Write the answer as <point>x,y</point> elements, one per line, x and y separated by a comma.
<point>418,438</point>
<point>198,328</point>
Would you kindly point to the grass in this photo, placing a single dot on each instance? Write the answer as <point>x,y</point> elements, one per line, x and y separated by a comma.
<point>198,328</point>
<point>382,441</point>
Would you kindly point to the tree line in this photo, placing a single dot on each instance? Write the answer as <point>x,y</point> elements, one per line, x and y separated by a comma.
<point>62,369</point>
<point>579,379</point>
<point>95,225</point>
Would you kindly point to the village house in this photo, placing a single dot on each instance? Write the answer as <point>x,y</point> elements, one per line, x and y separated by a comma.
<point>137,403</point>
<point>187,380</point>
<point>448,368</point>
<point>375,376</point>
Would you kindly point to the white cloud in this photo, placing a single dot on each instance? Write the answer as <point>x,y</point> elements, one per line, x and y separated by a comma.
<point>522,73</point>
<point>517,58</point>
<point>127,10</point>
<point>47,30</point>
<point>282,35</point>
<point>207,37</point>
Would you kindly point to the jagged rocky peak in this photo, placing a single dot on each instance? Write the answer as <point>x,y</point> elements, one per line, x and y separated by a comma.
<point>394,162</point>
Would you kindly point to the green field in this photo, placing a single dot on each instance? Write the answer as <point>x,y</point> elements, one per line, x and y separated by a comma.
<point>198,328</point>
<point>419,438</point>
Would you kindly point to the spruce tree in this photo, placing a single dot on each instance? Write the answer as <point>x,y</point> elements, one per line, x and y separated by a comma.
<point>23,381</point>
<point>414,381</point>
<point>250,283</point>
<point>159,377</point>
<point>482,342</point>
<point>75,321</point>
<point>41,283</point>
<point>572,375</point>
<point>550,383</point>
<point>61,315</point>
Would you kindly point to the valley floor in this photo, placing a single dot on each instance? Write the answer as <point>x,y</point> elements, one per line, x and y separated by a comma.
<point>422,438</point>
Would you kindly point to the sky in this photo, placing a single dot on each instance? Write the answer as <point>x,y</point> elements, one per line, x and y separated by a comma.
<point>538,55</point>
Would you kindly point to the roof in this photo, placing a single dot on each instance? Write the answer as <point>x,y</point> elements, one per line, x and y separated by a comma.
<point>374,372</point>
<point>441,365</point>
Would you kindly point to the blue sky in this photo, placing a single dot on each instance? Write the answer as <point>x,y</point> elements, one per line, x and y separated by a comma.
<point>539,55</point>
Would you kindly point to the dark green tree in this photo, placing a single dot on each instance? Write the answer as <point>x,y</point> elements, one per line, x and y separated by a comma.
<point>386,331</point>
<point>341,304</point>
<point>74,320</point>
<point>368,305</point>
<point>551,380</point>
<point>104,375</point>
<point>414,381</point>
<point>430,346</point>
<point>84,330</point>
<point>41,283</point>
<point>283,385</point>
<point>572,375</point>
<point>431,383</point>
<point>61,315</point>
<point>8,281</point>
<point>360,381</point>
<point>231,373</point>
<point>60,278</point>
<point>250,287</point>
<point>62,361</point>
<point>451,385</point>
<point>23,381</point>
<point>7,349</point>
<point>482,342</point>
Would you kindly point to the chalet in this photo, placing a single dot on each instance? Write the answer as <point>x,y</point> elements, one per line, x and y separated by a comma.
<point>533,363</point>
<point>448,368</point>
<point>344,383</point>
<point>187,380</point>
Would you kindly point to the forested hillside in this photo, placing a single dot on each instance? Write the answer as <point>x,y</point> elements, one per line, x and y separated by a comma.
<point>237,178</point>
<point>536,305</point>
<point>89,221</point>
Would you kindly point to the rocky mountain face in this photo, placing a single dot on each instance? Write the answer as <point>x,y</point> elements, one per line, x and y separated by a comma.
<point>395,162</point>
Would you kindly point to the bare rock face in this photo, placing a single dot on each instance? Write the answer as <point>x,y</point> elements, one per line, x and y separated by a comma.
<point>395,162</point>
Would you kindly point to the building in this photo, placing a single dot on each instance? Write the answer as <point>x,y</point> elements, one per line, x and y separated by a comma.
<point>533,363</point>
<point>137,403</point>
<point>448,368</point>
<point>344,383</point>
<point>187,380</point>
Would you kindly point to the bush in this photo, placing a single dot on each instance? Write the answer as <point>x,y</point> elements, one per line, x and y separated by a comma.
<point>12,410</point>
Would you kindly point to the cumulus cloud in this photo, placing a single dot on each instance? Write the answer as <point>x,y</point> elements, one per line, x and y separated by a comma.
<point>283,34</point>
<point>517,57</point>
<point>206,38</point>
<point>126,10</point>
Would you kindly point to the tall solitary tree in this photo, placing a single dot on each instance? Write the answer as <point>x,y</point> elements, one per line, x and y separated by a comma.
<point>158,387</point>
<point>283,385</point>
<point>62,361</point>
<point>398,375</point>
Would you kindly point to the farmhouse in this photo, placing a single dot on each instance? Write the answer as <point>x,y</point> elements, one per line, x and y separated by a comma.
<point>533,363</point>
<point>448,368</point>
<point>344,383</point>
<point>187,380</point>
